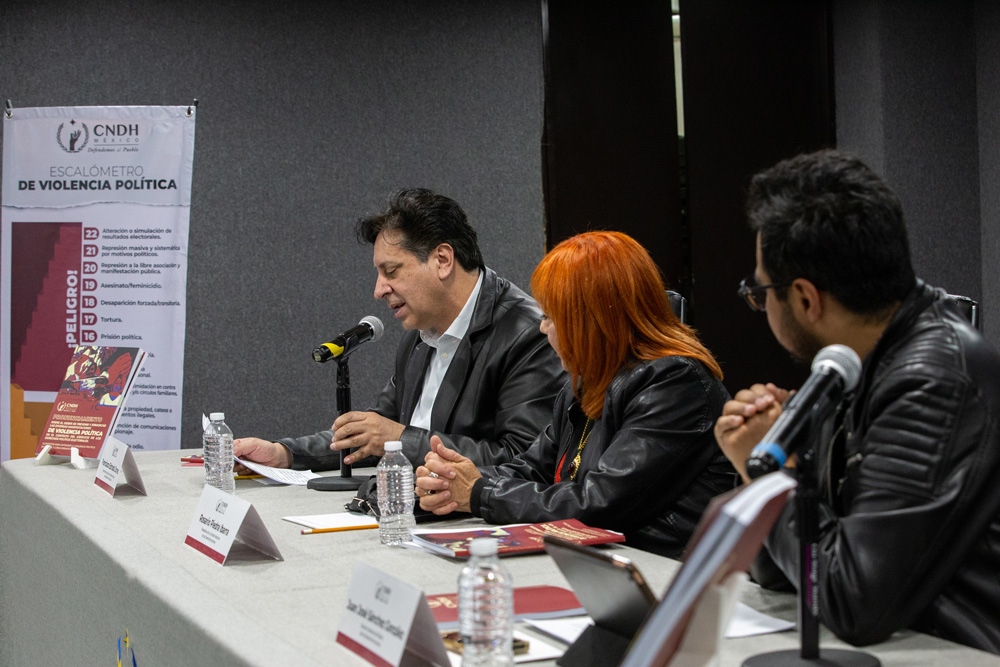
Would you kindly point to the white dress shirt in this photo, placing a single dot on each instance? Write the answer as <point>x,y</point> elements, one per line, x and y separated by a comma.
<point>444,346</point>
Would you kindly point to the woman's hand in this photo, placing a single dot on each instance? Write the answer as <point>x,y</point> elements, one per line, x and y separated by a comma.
<point>444,482</point>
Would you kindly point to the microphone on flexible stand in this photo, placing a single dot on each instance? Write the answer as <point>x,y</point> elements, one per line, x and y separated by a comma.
<point>340,348</point>
<point>368,329</point>
<point>805,419</point>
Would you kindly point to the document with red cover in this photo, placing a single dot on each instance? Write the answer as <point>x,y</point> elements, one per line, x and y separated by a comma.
<point>537,602</point>
<point>90,399</point>
<point>513,539</point>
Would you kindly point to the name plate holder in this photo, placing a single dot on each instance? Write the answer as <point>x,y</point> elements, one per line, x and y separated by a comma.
<point>388,622</point>
<point>117,460</point>
<point>220,519</point>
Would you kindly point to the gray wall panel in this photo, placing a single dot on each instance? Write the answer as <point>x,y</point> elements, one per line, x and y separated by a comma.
<point>988,93</point>
<point>858,80</point>
<point>908,101</point>
<point>310,114</point>
<point>929,71</point>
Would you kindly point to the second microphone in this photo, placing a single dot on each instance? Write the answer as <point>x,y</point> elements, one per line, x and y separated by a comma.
<point>370,328</point>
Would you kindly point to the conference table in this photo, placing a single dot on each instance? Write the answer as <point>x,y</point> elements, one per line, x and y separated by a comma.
<point>80,568</point>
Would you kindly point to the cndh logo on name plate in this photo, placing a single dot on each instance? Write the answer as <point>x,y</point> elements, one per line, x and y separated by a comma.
<point>382,592</point>
<point>74,136</point>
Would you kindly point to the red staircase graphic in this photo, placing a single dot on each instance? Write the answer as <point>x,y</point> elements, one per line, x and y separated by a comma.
<point>45,354</point>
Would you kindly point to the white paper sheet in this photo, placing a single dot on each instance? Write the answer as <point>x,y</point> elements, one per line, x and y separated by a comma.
<point>335,520</point>
<point>283,475</point>
<point>747,621</point>
<point>744,622</point>
<point>563,629</point>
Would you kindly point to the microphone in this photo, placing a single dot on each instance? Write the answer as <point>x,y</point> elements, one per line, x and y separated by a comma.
<point>836,370</point>
<point>368,329</point>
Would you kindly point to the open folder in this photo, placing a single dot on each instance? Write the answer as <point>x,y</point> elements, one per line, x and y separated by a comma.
<point>727,540</point>
<point>622,606</point>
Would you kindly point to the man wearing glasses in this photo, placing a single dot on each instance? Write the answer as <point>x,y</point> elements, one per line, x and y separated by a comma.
<point>910,518</point>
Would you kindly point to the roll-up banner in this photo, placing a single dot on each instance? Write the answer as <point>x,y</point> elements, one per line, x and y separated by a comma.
<point>95,209</point>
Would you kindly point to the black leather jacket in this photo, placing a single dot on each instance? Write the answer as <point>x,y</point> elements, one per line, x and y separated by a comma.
<point>495,398</point>
<point>910,532</point>
<point>650,466</point>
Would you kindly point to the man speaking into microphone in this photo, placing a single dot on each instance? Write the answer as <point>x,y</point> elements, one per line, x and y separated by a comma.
<point>473,367</point>
<point>910,518</point>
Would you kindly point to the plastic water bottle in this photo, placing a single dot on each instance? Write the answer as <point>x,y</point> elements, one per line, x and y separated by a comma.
<point>486,607</point>
<point>218,443</point>
<point>395,495</point>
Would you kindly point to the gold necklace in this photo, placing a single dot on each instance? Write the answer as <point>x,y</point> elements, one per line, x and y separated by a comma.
<point>574,467</point>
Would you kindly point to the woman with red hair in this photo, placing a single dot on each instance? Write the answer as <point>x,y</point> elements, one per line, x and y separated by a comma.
<point>630,447</point>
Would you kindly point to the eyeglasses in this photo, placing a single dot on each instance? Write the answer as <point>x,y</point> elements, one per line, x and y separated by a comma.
<point>756,295</point>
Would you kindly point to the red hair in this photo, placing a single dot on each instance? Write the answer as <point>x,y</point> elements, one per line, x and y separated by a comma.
<point>605,296</point>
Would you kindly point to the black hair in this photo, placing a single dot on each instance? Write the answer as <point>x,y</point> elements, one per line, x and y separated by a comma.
<point>425,220</point>
<point>827,217</point>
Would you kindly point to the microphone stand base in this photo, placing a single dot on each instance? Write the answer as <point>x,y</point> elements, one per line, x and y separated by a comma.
<point>827,658</point>
<point>334,483</point>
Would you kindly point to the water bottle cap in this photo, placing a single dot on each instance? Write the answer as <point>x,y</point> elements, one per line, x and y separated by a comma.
<point>483,546</point>
<point>394,446</point>
<point>218,416</point>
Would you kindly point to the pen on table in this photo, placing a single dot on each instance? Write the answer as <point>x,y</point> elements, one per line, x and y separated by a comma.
<point>192,459</point>
<point>247,476</point>
<point>314,531</point>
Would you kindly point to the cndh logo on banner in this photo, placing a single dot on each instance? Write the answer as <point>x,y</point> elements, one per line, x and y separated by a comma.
<point>75,146</point>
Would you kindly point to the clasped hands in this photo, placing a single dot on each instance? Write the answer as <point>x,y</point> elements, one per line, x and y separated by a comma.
<point>444,483</point>
<point>745,420</point>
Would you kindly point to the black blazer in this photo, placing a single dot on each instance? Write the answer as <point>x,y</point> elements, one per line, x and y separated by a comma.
<point>910,525</point>
<point>649,468</point>
<point>495,398</point>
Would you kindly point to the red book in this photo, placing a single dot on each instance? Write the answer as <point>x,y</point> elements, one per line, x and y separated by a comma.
<point>529,602</point>
<point>512,539</point>
<point>90,399</point>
